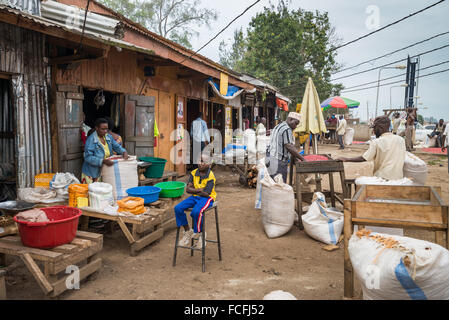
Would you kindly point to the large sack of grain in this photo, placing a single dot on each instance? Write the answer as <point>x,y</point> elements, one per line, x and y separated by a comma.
<point>100,195</point>
<point>399,268</point>
<point>278,206</point>
<point>61,182</point>
<point>322,223</point>
<point>262,172</point>
<point>122,176</point>
<point>415,169</point>
<point>348,138</point>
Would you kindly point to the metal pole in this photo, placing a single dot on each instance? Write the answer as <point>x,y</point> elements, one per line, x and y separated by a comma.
<point>378,85</point>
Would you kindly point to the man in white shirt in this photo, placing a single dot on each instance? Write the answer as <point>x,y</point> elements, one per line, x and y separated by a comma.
<point>200,137</point>
<point>445,143</point>
<point>387,151</point>
<point>341,130</point>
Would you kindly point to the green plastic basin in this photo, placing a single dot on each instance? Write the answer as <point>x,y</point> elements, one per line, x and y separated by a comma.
<point>171,189</point>
<point>156,170</point>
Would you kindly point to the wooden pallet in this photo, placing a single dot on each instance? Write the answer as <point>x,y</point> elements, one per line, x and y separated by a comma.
<point>81,252</point>
<point>141,230</point>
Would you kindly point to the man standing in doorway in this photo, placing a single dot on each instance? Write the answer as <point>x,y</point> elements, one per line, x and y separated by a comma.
<point>282,145</point>
<point>200,137</point>
<point>341,130</point>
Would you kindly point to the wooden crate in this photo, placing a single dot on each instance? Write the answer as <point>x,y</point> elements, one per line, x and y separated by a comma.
<point>413,207</point>
<point>81,252</point>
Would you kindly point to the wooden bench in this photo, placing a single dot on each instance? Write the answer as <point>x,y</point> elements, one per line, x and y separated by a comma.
<point>415,207</point>
<point>81,252</point>
<point>141,230</point>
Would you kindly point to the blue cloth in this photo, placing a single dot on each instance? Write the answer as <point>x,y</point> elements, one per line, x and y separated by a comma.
<point>231,89</point>
<point>198,205</point>
<point>199,131</point>
<point>94,154</point>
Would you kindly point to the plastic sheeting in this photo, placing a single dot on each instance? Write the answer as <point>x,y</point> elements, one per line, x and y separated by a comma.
<point>233,91</point>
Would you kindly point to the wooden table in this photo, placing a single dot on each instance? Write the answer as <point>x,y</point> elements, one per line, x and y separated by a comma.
<point>140,230</point>
<point>319,167</point>
<point>413,207</point>
<point>81,252</point>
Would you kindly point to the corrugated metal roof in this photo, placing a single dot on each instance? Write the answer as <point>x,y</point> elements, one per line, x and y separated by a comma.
<point>73,17</point>
<point>77,30</point>
<point>30,6</point>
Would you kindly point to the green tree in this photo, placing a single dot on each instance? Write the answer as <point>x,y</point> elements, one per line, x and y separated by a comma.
<point>172,19</point>
<point>285,47</point>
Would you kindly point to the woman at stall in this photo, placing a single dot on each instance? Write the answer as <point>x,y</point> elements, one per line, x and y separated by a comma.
<point>100,145</point>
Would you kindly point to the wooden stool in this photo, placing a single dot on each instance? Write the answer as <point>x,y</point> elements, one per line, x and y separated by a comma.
<point>203,232</point>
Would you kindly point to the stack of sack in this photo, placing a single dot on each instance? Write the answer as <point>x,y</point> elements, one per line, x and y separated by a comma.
<point>131,205</point>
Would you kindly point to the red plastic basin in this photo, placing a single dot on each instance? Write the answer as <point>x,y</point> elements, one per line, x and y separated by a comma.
<point>45,235</point>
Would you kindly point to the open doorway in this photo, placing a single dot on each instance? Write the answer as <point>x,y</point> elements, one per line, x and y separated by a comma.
<point>110,109</point>
<point>7,143</point>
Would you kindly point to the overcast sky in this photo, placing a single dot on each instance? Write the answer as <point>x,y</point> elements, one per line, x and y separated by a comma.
<point>349,17</point>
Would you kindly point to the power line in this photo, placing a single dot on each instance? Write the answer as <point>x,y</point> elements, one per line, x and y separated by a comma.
<point>389,64</point>
<point>295,84</point>
<point>221,31</point>
<point>390,83</point>
<point>402,74</point>
<point>393,52</point>
<point>387,26</point>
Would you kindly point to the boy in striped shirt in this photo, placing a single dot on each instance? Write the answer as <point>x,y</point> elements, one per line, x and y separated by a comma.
<point>201,186</point>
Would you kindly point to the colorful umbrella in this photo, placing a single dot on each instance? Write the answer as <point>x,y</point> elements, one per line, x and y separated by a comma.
<point>339,102</point>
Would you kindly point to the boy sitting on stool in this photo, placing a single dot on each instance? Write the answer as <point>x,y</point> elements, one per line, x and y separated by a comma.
<point>202,187</point>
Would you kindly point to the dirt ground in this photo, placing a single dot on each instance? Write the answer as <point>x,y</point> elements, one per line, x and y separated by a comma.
<point>252,265</point>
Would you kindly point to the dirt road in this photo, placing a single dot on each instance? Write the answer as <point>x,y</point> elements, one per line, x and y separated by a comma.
<point>252,265</point>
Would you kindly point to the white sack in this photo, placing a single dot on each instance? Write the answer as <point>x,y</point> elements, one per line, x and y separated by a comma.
<point>278,206</point>
<point>322,223</point>
<point>411,269</point>
<point>121,176</point>
<point>100,195</point>
<point>415,169</point>
<point>379,181</point>
<point>249,140</point>
<point>61,182</point>
<point>262,171</point>
<point>279,295</point>
<point>348,138</point>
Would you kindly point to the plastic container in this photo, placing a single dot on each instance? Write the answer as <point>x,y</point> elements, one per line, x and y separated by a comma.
<point>45,235</point>
<point>43,180</point>
<point>78,193</point>
<point>156,170</point>
<point>171,189</point>
<point>148,194</point>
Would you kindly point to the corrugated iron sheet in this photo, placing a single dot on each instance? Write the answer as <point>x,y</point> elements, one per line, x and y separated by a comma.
<point>30,6</point>
<point>22,53</point>
<point>73,17</point>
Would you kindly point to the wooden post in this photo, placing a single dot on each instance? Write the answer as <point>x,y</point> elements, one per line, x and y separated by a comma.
<point>348,270</point>
<point>331,185</point>
<point>2,285</point>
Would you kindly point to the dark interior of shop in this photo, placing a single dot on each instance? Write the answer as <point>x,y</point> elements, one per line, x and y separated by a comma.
<point>111,108</point>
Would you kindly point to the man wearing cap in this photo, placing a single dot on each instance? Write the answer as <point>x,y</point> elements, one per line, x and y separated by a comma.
<point>387,151</point>
<point>282,145</point>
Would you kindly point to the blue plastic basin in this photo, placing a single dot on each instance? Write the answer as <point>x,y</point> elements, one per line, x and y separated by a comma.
<point>148,194</point>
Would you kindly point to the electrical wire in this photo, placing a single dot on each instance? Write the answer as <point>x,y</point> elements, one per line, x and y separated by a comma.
<point>385,27</point>
<point>390,83</point>
<point>84,26</point>
<point>221,31</point>
<point>393,52</point>
<point>402,74</point>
